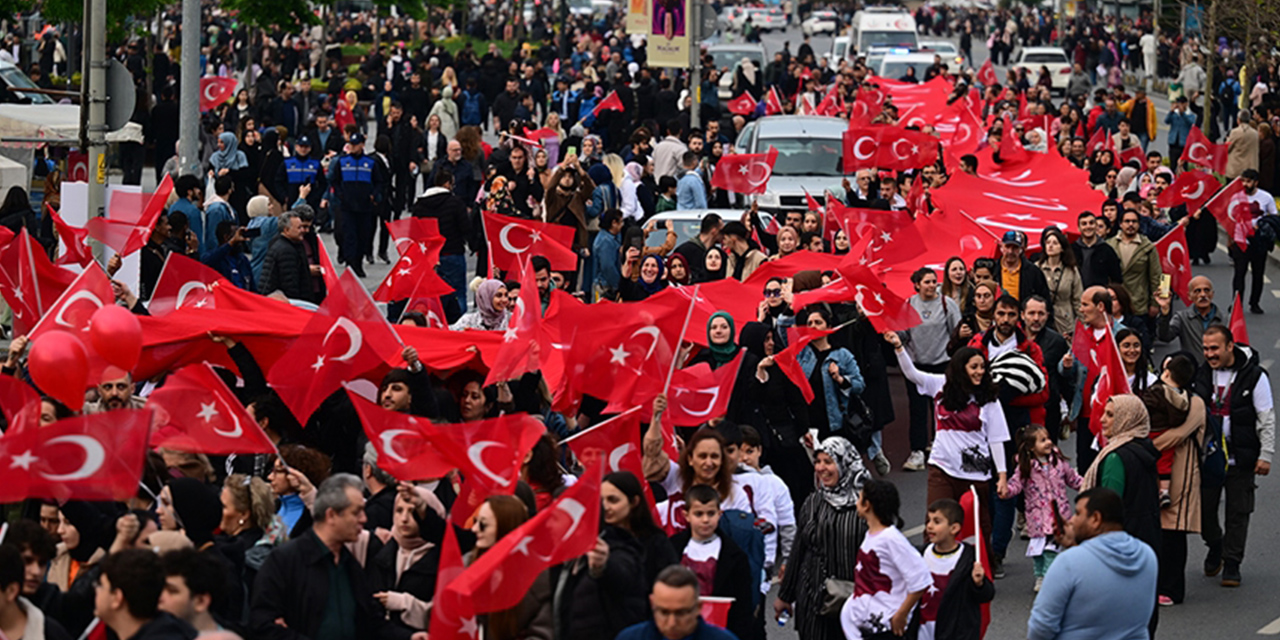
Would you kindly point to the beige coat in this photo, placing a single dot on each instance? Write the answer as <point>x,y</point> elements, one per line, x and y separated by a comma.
<point>1242,150</point>
<point>754,258</point>
<point>1184,485</point>
<point>1065,287</point>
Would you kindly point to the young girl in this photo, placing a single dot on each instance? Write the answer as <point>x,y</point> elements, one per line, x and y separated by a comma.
<point>1043,474</point>
<point>890,576</point>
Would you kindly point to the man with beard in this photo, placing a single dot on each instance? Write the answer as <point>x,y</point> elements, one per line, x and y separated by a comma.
<point>115,392</point>
<point>1187,326</point>
<point>522,184</point>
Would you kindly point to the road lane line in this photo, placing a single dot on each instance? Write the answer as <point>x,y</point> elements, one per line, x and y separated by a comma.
<point>1272,629</point>
<point>914,531</point>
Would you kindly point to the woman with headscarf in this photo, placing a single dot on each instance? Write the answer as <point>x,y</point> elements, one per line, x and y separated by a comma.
<point>721,350</point>
<point>1183,515</point>
<point>192,507</point>
<point>774,311</point>
<point>16,213</point>
<point>713,265</point>
<point>745,79</point>
<point>1127,465</point>
<point>631,209</point>
<point>678,273</point>
<point>491,312</point>
<point>273,155</point>
<point>228,159</point>
<point>607,194</point>
<point>1103,160</point>
<point>828,534</point>
<point>651,279</point>
<point>447,110</point>
<point>778,411</point>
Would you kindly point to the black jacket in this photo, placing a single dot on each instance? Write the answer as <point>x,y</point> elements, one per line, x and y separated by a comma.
<point>285,268</point>
<point>1245,445</point>
<point>451,213</point>
<point>419,580</point>
<point>379,509</point>
<point>293,585</point>
<point>733,580</point>
<point>1100,269</point>
<point>165,627</point>
<point>959,617</point>
<point>1141,490</point>
<point>1031,281</point>
<point>1053,346</point>
<point>589,608</point>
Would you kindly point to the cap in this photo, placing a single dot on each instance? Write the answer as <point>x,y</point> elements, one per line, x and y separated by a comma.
<point>304,141</point>
<point>1014,237</point>
<point>357,138</point>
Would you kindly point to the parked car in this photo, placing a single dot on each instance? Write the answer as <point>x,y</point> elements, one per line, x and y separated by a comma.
<point>820,22</point>
<point>689,222</point>
<point>1032,58</point>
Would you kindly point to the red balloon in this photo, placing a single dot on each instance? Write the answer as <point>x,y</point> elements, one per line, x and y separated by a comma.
<point>116,335</point>
<point>59,364</point>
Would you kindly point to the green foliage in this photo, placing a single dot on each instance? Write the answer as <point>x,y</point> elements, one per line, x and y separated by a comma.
<point>264,14</point>
<point>455,44</point>
<point>15,7</point>
<point>120,13</point>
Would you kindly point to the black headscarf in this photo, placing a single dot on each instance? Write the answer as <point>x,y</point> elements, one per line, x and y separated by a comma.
<point>199,509</point>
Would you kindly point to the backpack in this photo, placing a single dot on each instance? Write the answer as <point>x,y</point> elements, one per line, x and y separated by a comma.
<point>1267,230</point>
<point>740,526</point>
<point>471,108</point>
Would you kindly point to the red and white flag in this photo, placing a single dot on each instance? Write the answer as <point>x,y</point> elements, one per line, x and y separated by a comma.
<point>616,443</point>
<point>745,173</point>
<point>19,403</point>
<point>414,273</point>
<point>888,147</point>
<point>452,617</point>
<point>1239,331</point>
<point>772,102</point>
<point>196,412</point>
<point>183,283</point>
<point>1101,139</point>
<point>130,221</point>
<point>1192,188</point>
<point>29,282</point>
<point>1202,152</point>
<point>90,291</point>
<point>1234,211</point>
<point>1110,379</point>
<point>215,90</point>
<point>698,394</point>
<point>742,105</point>
<point>1175,261</point>
<point>611,102</point>
<point>512,238</point>
<point>92,457</point>
<point>885,309</point>
<point>74,239</point>
<point>406,230</point>
<point>987,75</point>
<point>526,344</point>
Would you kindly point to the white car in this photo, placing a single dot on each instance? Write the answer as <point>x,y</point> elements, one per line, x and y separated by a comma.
<point>688,223</point>
<point>764,19</point>
<point>1054,58</point>
<point>948,50</point>
<point>820,22</point>
<point>894,65</point>
<point>727,57</point>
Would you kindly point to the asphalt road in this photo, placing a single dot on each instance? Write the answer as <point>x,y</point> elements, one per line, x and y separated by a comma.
<point>1210,611</point>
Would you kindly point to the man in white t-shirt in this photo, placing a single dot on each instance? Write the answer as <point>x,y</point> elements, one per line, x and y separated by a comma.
<point>1261,204</point>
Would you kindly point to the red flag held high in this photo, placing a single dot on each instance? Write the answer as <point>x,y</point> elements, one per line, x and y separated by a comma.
<point>616,443</point>
<point>987,75</point>
<point>811,202</point>
<point>742,105</point>
<point>19,403</point>
<point>772,102</point>
<point>885,309</point>
<point>73,238</point>
<point>414,274</point>
<point>1232,207</point>
<point>215,90</point>
<point>1192,188</point>
<point>1101,139</point>
<point>1110,380</point>
<point>29,282</point>
<point>746,173</point>
<point>196,412</point>
<point>1174,260</point>
<point>510,238</point>
<point>90,457</point>
<point>611,102</point>
<point>1202,152</point>
<point>90,291</point>
<point>789,364</point>
<point>451,614</point>
<point>183,282</point>
<point>888,147</point>
<point>406,230</point>
<point>1239,332</point>
<point>699,394</point>
<point>566,529</point>
<point>127,228</point>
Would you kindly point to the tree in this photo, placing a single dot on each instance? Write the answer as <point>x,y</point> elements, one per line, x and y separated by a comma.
<point>119,13</point>
<point>264,15</point>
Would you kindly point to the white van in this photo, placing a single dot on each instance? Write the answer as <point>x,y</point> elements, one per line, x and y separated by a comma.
<point>876,30</point>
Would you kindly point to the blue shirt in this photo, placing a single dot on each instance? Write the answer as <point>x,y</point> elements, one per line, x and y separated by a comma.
<point>649,631</point>
<point>690,192</point>
<point>605,252</point>
<point>214,214</point>
<point>195,219</point>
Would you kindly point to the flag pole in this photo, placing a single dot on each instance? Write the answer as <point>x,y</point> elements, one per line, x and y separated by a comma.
<point>597,426</point>
<point>1219,194</point>
<point>977,524</point>
<point>680,339</point>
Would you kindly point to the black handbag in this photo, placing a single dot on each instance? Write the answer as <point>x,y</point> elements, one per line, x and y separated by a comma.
<point>859,423</point>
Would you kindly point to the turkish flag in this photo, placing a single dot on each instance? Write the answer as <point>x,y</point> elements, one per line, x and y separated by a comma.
<point>568,528</point>
<point>1110,380</point>
<point>403,442</point>
<point>431,310</point>
<point>829,105</point>
<point>19,403</point>
<point>414,274</point>
<point>618,353</point>
<point>611,102</point>
<point>341,342</point>
<point>858,222</point>
<point>538,135</point>
<point>960,129</point>
<point>510,238</point>
<point>917,199</point>
<point>715,610</point>
<point>92,457</point>
<point>29,282</point>
<point>183,282</point>
<point>1101,139</point>
<point>452,617</point>
<point>1201,151</point>
<point>129,223</point>
<point>1011,149</point>
<point>1239,332</point>
<point>1172,249</point>
<point>215,90</point>
<point>90,291</point>
<point>745,173</point>
<point>616,443</point>
<point>987,75</point>
<point>197,413</point>
<point>887,147</point>
<point>73,238</point>
<point>811,202</point>
<point>772,102</point>
<point>789,364</point>
<point>863,110</point>
<point>1234,211</point>
<point>742,105</point>
<point>412,229</point>
<point>1132,153</point>
<point>885,309</point>
<point>787,267</point>
<point>526,344</point>
<point>892,247</point>
<point>698,394</point>
<point>1192,188</point>
<point>835,291</point>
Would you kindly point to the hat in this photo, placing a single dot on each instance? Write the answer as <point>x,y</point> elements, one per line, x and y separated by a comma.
<point>356,138</point>
<point>1014,237</point>
<point>304,141</point>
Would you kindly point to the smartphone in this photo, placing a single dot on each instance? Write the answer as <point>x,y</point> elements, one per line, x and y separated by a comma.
<point>251,233</point>
<point>636,242</point>
<point>570,152</point>
<point>1166,282</point>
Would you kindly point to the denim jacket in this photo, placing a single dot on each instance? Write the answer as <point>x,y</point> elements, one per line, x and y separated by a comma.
<point>835,395</point>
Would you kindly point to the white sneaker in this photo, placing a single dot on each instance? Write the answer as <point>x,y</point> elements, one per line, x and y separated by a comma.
<point>882,464</point>
<point>1039,581</point>
<point>915,462</point>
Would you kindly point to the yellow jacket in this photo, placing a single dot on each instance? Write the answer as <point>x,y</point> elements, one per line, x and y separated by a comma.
<point>1127,108</point>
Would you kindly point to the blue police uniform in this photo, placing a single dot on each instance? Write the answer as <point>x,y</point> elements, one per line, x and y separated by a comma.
<point>295,172</point>
<point>359,183</point>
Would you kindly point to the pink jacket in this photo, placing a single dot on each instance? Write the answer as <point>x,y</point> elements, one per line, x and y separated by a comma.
<point>1048,485</point>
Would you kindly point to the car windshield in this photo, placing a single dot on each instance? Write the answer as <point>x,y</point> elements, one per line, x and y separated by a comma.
<point>896,70</point>
<point>805,157</point>
<point>16,80</point>
<point>943,47</point>
<point>888,39</point>
<point>728,59</point>
<point>841,46</point>
<point>1043,58</point>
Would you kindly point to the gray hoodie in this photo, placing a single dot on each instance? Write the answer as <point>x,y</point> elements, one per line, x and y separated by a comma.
<point>1103,588</point>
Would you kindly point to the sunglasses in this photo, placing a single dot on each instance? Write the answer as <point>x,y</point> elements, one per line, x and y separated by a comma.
<point>772,293</point>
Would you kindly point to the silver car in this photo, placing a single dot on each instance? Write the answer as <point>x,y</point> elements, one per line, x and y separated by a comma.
<point>810,158</point>
<point>688,223</point>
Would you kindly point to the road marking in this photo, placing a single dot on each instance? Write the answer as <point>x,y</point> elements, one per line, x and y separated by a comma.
<point>1266,364</point>
<point>1272,629</point>
<point>1266,278</point>
<point>1277,344</point>
<point>914,531</point>
<point>1276,293</point>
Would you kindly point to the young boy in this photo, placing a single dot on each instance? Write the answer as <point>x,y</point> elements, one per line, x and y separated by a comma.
<point>1168,405</point>
<point>762,496</point>
<point>666,194</point>
<point>721,566</point>
<point>950,608</point>
<point>755,478</point>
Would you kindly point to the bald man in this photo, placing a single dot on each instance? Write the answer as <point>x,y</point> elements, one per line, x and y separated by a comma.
<point>1188,325</point>
<point>115,391</point>
<point>1095,315</point>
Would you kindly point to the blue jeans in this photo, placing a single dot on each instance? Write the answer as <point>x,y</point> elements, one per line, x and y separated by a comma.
<point>1144,140</point>
<point>1002,513</point>
<point>875,447</point>
<point>453,270</point>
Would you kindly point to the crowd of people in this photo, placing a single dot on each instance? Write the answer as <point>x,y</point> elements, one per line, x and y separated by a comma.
<point>788,485</point>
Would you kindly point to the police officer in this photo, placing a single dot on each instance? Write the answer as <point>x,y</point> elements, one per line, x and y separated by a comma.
<point>299,170</point>
<point>359,182</point>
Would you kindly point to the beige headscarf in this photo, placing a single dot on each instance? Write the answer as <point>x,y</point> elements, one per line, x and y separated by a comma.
<point>1131,422</point>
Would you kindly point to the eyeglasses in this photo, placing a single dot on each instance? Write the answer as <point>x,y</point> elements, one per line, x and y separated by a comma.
<point>772,293</point>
